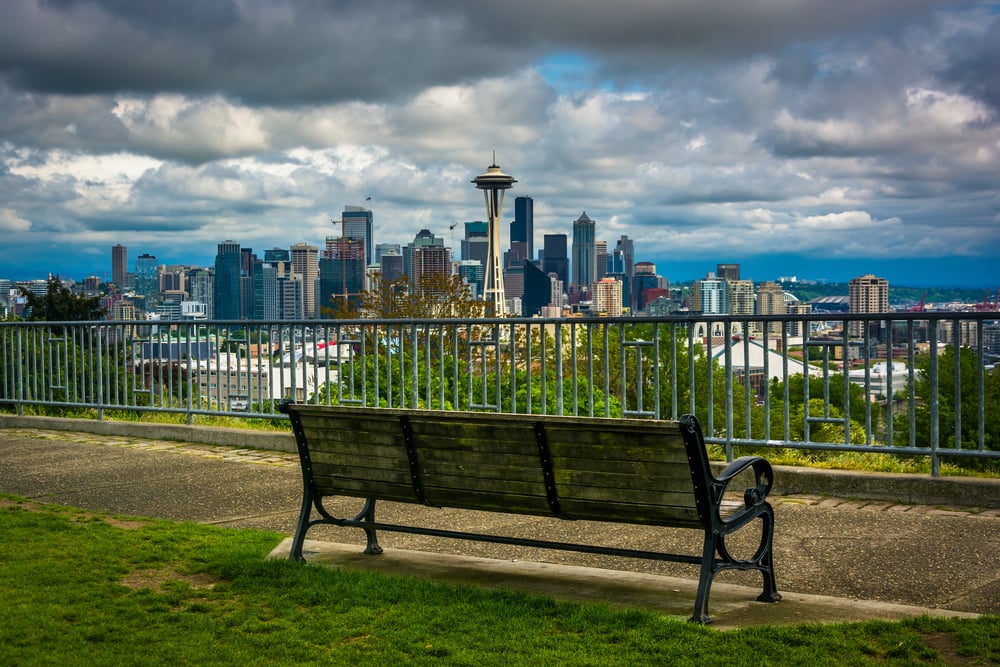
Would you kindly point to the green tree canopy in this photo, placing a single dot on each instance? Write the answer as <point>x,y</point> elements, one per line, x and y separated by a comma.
<point>433,296</point>
<point>60,304</point>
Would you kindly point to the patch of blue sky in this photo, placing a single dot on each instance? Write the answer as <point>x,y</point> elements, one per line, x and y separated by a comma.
<point>572,72</point>
<point>568,72</point>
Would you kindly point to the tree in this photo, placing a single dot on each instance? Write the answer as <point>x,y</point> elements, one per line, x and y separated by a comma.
<point>433,296</point>
<point>60,304</point>
<point>967,401</point>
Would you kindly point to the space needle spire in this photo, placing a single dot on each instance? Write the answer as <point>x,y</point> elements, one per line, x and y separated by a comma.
<point>493,183</point>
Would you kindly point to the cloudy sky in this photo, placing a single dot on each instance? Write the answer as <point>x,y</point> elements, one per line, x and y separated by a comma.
<point>797,137</point>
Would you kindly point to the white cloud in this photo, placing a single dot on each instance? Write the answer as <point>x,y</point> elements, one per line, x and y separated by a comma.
<point>10,221</point>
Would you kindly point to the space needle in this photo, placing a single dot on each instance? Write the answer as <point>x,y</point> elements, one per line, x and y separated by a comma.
<point>493,183</point>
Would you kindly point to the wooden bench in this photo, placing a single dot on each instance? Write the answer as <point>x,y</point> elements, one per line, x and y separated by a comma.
<point>618,470</point>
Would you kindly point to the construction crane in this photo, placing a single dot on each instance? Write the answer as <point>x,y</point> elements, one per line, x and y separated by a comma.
<point>986,306</point>
<point>919,308</point>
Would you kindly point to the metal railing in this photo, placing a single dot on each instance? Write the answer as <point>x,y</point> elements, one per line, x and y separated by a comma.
<point>906,384</point>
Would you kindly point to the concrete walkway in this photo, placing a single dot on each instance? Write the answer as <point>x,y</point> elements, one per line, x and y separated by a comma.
<point>836,559</point>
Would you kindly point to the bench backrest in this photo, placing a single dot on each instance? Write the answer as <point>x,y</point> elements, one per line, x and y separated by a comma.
<point>634,471</point>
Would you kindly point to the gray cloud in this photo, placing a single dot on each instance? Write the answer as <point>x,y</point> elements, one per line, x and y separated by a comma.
<point>690,125</point>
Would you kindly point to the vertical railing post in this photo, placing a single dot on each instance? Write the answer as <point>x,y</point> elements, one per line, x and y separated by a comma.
<point>934,398</point>
<point>956,351</point>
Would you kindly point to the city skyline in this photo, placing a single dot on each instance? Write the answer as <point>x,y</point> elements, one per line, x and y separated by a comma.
<point>802,139</point>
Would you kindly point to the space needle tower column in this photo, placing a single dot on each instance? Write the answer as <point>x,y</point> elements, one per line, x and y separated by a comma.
<point>493,183</point>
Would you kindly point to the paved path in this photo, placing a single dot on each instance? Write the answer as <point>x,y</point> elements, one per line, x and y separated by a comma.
<point>945,558</point>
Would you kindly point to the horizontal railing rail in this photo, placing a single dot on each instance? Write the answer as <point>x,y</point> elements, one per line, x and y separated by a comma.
<point>910,384</point>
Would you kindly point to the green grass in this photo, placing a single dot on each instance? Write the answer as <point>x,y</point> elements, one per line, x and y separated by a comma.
<point>85,588</point>
<point>859,461</point>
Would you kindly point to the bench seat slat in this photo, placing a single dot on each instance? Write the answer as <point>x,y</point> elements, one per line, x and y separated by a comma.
<point>361,472</point>
<point>364,488</point>
<point>512,503</point>
<point>391,456</point>
<point>664,496</point>
<point>631,513</point>
<point>503,472</point>
<point>605,473</point>
<point>482,484</point>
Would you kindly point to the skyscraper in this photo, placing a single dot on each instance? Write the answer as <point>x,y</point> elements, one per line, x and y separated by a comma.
<point>771,301</point>
<point>471,271</point>
<point>608,297</point>
<point>866,294</point>
<point>392,266</point>
<point>119,265</point>
<point>728,271</point>
<point>265,291</point>
<point>147,280</point>
<point>385,248</point>
<point>584,264</point>
<point>645,281</point>
<point>357,225</point>
<point>554,257</point>
<point>740,297</point>
<point>537,290</point>
<point>710,296</point>
<point>305,263</point>
<point>226,291</point>
<point>424,238</point>
<point>625,256</point>
<point>522,230</point>
<point>201,288</point>
<point>431,260</point>
<point>275,255</point>
<point>341,272</point>
<point>476,244</point>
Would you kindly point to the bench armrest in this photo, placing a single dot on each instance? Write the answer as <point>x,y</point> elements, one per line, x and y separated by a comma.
<point>763,480</point>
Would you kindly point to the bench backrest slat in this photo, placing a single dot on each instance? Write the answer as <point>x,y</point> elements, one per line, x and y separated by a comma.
<point>618,470</point>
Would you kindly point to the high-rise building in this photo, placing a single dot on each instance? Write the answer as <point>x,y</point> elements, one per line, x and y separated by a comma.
<point>624,265</point>
<point>866,294</point>
<point>476,243</point>
<point>740,297</point>
<point>147,280</point>
<point>431,260</point>
<point>728,271</point>
<point>247,262</point>
<point>608,297</point>
<point>710,296</point>
<point>227,287</point>
<point>342,272</point>
<point>277,254</point>
<point>798,327</point>
<point>423,239</point>
<point>513,283</point>
<point>584,264</point>
<point>771,301</point>
<point>392,266</point>
<point>357,225</point>
<point>644,281</point>
<point>602,260</point>
<point>201,288</point>
<point>537,290</point>
<point>290,298</point>
<point>522,229</point>
<point>385,248</point>
<point>265,291</point>
<point>472,272</point>
<point>305,263</point>
<point>119,265</point>
<point>554,257</point>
